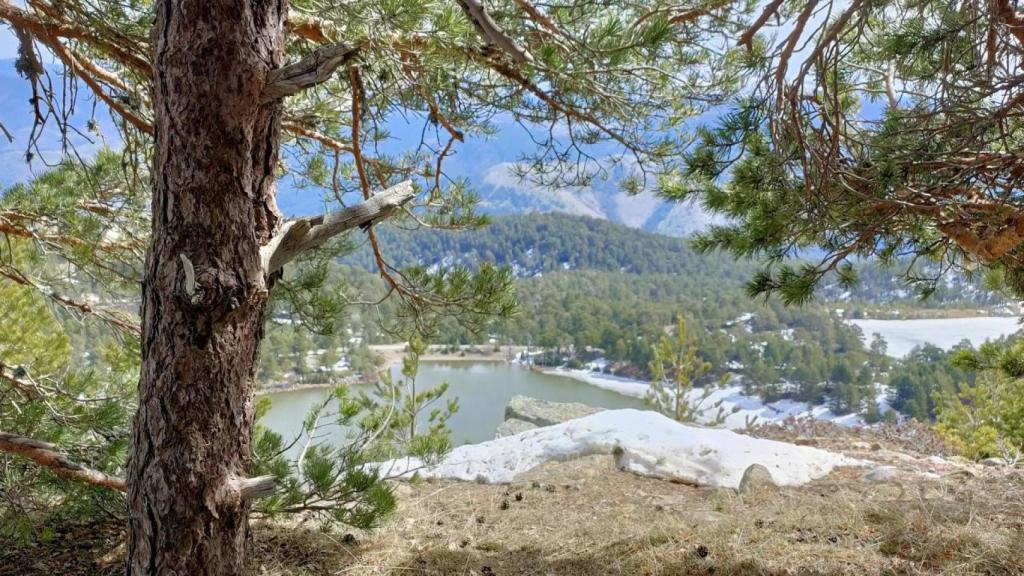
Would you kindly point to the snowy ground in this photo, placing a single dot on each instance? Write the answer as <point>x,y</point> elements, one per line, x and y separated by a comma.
<point>902,335</point>
<point>643,442</point>
<point>739,408</point>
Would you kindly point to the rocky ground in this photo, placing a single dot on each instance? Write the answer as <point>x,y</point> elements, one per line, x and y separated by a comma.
<point>914,510</point>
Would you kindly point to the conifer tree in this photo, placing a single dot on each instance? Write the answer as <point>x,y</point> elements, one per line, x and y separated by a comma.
<point>887,130</point>
<point>675,370</point>
<point>985,417</point>
<point>214,100</point>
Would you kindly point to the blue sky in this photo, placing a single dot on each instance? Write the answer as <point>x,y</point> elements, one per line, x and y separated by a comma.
<point>8,45</point>
<point>483,161</point>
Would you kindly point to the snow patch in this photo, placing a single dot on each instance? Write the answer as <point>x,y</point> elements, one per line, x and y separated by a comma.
<point>643,442</point>
<point>901,336</point>
<point>739,409</point>
<point>624,386</point>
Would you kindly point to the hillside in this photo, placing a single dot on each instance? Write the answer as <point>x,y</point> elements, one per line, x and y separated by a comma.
<point>503,193</point>
<point>536,244</point>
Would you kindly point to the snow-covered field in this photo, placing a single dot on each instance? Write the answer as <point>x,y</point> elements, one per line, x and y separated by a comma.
<point>902,335</point>
<point>739,408</point>
<point>643,442</point>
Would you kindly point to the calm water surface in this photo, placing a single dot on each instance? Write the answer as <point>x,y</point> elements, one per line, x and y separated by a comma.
<point>483,390</point>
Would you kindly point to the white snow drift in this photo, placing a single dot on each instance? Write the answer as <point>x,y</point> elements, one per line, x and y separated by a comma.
<point>738,408</point>
<point>642,442</point>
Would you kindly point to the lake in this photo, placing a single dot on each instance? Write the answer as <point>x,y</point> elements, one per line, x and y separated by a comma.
<point>903,335</point>
<point>483,390</point>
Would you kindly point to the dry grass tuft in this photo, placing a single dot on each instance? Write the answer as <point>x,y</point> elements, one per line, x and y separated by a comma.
<point>931,542</point>
<point>909,436</point>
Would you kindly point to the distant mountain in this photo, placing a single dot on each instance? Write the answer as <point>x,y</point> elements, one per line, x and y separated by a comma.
<point>485,162</point>
<point>540,244</point>
<point>504,193</point>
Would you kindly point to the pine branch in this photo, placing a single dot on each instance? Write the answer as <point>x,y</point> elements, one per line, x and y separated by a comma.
<point>310,27</point>
<point>1013,20</point>
<point>252,488</point>
<point>314,69</point>
<point>110,317</point>
<point>46,454</point>
<point>82,70</point>
<point>747,38</point>
<point>298,236</point>
<point>48,31</point>
<point>491,33</point>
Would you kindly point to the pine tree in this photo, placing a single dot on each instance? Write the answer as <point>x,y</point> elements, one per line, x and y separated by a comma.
<point>407,420</point>
<point>892,136</point>
<point>675,368</point>
<point>985,418</point>
<point>210,90</point>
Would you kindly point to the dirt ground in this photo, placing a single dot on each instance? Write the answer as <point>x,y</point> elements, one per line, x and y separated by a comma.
<point>931,515</point>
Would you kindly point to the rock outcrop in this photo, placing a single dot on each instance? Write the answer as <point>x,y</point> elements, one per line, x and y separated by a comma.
<point>513,426</point>
<point>524,413</point>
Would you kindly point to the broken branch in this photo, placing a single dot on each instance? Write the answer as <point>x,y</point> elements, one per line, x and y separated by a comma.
<point>310,71</point>
<point>251,488</point>
<point>46,454</point>
<point>305,234</point>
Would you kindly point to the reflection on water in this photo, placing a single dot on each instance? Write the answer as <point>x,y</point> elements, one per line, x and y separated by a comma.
<point>483,390</point>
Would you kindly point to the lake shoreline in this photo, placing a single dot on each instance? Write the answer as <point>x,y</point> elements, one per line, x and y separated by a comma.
<point>394,353</point>
<point>483,390</point>
<point>391,355</point>
<point>391,359</point>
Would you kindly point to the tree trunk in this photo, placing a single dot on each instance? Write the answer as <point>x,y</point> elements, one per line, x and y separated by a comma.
<point>204,293</point>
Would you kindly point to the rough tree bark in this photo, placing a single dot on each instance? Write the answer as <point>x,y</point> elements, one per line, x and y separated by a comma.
<point>205,291</point>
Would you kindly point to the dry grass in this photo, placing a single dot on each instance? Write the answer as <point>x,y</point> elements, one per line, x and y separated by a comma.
<point>585,518</point>
<point>910,437</point>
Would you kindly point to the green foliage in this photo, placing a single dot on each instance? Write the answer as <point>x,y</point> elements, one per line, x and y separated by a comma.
<point>50,397</point>
<point>337,482</point>
<point>396,412</point>
<point>32,335</point>
<point>985,417</point>
<point>675,368</point>
<point>884,154</point>
<point>334,483</point>
<point>313,293</point>
<point>923,375</point>
<point>469,299</point>
<point>69,254</point>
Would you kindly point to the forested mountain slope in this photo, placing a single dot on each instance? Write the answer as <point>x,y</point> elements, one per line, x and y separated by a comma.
<point>538,244</point>
<point>535,244</point>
